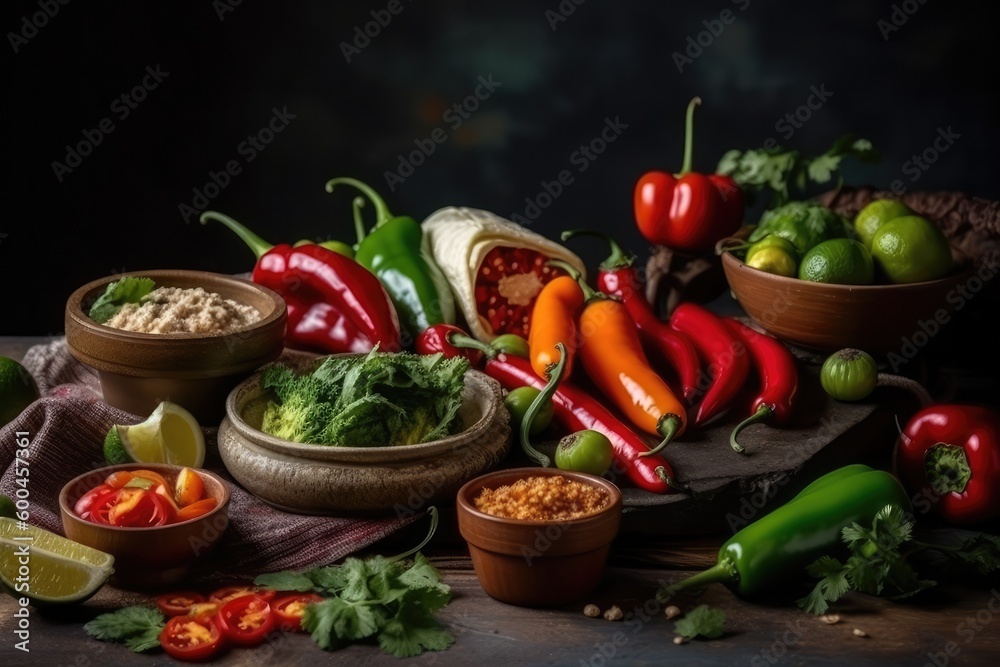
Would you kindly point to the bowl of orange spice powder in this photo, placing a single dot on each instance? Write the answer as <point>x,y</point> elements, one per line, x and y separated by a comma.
<point>539,537</point>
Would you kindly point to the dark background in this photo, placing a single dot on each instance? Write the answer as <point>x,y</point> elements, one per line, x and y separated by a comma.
<point>118,210</point>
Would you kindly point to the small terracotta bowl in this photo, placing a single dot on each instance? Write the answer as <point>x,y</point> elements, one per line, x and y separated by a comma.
<point>148,557</point>
<point>196,371</point>
<point>538,563</point>
<point>874,318</point>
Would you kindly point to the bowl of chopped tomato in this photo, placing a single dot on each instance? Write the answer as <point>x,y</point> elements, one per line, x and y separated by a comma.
<point>157,520</point>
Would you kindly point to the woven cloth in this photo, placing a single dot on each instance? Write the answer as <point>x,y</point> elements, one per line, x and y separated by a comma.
<point>66,429</point>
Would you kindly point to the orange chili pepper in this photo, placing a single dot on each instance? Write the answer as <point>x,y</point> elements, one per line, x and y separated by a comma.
<point>553,320</point>
<point>612,355</point>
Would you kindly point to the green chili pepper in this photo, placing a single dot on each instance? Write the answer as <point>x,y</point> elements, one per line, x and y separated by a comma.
<point>791,537</point>
<point>396,251</point>
<point>511,344</point>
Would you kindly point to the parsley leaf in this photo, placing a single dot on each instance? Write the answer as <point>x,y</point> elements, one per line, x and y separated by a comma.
<point>832,586</point>
<point>701,621</point>
<point>286,581</point>
<point>412,630</point>
<point>125,290</point>
<point>137,627</point>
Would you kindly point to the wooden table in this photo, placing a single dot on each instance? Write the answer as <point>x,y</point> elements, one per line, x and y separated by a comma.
<point>949,626</point>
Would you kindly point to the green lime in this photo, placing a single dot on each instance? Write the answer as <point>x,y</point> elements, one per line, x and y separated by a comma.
<point>17,390</point>
<point>872,217</point>
<point>170,435</point>
<point>838,261</point>
<point>912,249</point>
<point>772,254</point>
<point>114,450</point>
<point>7,507</point>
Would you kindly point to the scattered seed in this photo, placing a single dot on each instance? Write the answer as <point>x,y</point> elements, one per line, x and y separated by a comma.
<point>592,611</point>
<point>830,619</point>
<point>614,613</point>
<point>673,611</point>
<point>860,633</point>
<point>680,640</point>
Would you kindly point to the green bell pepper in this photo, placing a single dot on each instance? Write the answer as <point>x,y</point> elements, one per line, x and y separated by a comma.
<point>781,545</point>
<point>396,251</point>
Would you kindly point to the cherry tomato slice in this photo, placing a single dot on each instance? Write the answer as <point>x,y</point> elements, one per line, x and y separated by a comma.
<point>189,487</point>
<point>139,508</point>
<point>228,593</point>
<point>86,501</point>
<point>179,604</point>
<point>288,610</point>
<point>246,620</point>
<point>190,638</point>
<point>197,509</point>
<point>119,478</point>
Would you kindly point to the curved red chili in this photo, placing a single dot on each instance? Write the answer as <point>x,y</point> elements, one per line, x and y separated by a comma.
<point>576,411</point>
<point>779,378</point>
<point>439,338</point>
<point>727,354</point>
<point>617,277</point>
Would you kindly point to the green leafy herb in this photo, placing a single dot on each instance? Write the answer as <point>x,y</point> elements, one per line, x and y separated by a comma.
<point>703,621</point>
<point>137,627</point>
<point>762,169</point>
<point>126,290</point>
<point>286,581</point>
<point>391,399</point>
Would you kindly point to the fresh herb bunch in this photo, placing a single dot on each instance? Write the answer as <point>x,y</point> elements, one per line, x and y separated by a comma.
<point>878,564</point>
<point>137,627</point>
<point>126,290</point>
<point>774,169</point>
<point>703,621</point>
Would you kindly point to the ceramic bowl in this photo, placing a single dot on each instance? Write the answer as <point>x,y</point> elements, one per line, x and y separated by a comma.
<point>876,318</point>
<point>320,479</point>
<point>196,371</point>
<point>537,563</point>
<point>148,557</point>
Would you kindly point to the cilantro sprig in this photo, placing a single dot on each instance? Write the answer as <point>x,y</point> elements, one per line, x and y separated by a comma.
<point>702,621</point>
<point>137,627</point>
<point>125,290</point>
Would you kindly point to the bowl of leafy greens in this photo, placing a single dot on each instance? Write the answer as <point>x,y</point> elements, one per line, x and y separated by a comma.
<point>362,434</point>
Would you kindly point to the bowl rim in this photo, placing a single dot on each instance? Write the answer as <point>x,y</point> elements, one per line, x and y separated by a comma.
<point>74,305</point>
<point>103,472</point>
<point>463,503</point>
<point>376,454</point>
<point>731,261</point>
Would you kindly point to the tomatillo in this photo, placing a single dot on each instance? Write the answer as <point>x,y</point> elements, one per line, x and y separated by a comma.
<point>585,451</point>
<point>518,401</point>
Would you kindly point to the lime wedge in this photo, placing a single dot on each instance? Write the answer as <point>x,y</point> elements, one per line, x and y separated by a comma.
<point>170,435</point>
<point>59,570</point>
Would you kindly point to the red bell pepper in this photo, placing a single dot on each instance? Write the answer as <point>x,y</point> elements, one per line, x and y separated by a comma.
<point>950,455</point>
<point>687,211</point>
<point>334,304</point>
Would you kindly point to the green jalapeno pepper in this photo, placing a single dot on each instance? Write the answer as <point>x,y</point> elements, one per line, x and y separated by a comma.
<point>791,537</point>
<point>396,251</point>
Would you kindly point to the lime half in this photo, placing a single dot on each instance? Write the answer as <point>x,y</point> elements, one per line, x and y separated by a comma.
<point>17,389</point>
<point>170,435</point>
<point>59,570</point>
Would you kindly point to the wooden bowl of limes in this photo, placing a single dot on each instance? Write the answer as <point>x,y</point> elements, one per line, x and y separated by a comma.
<point>880,319</point>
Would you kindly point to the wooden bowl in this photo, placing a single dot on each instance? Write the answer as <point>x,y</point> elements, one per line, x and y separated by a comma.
<point>148,557</point>
<point>537,563</point>
<point>324,479</point>
<point>876,318</point>
<point>196,371</point>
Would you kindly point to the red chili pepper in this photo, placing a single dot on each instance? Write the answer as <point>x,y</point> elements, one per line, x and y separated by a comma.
<point>949,457</point>
<point>688,211</point>
<point>779,378</point>
<point>334,303</point>
<point>617,277</point>
<point>729,364</point>
<point>443,338</point>
<point>577,411</point>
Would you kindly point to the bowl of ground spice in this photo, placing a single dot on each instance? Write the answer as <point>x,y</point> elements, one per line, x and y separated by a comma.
<point>539,537</point>
<point>184,336</point>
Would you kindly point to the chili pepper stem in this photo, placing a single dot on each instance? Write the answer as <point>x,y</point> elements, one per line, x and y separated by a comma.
<point>589,293</point>
<point>555,376</point>
<point>619,257</point>
<point>763,413</point>
<point>359,223</point>
<point>461,340</point>
<point>900,382</point>
<point>382,214</point>
<point>668,425</point>
<point>661,472</point>
<point>689,137</point>
<point>256,243</point>
<point>723,572</point>
<point>433,513</point>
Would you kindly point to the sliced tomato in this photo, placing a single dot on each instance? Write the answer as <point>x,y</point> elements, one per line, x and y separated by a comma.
<point>288,610</point>
<point>86,502</point>
<point>138,508</point>
<point>197,509</point>
<point>246,620</point>
<point>178,604</point>
<point>102,507</point>
<point>189,487</point>
<point>119,478</point>
<point>507,283</point>
<point>223,595</point>
<point>191,638</point>
<point>204,610</point>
